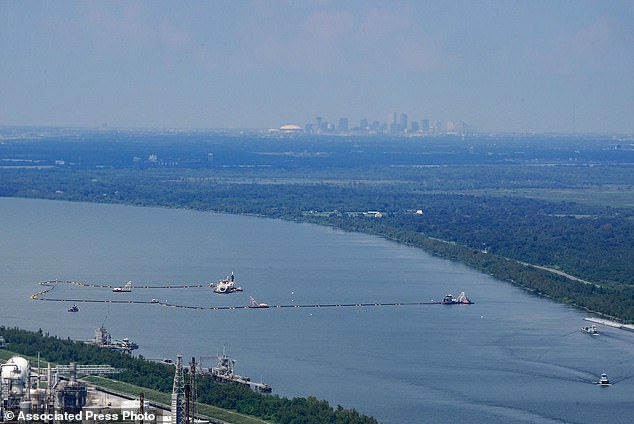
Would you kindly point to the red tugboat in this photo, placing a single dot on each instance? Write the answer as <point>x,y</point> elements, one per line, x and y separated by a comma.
<point>462,299</point>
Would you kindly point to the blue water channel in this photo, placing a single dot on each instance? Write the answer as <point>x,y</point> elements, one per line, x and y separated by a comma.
<point>509,358</point>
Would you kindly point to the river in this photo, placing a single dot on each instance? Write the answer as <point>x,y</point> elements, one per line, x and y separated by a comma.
<point>509,358</point>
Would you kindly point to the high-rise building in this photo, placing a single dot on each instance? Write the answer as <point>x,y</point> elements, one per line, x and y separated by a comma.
<point>425,124</point>
<point>392,122</point>
<point>402,124</point>
<point>415,126</point>
<point>363,124</point>
<point>343,124</point>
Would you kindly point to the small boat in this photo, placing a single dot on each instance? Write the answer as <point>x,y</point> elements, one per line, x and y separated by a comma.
<point>592,330</point>
<point>603,380</point>
<point>227,285</point>
<point>155,301</point>
<point>462,299</point>
<point>253,304</point>
<point>125,289</point>
<point>73,308</point>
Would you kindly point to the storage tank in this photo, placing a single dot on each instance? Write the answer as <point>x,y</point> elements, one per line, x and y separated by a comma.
<point>15,376</point>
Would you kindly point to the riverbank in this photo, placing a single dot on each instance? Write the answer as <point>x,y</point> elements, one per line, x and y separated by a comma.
<point>229,403</point>
<point>539,280</point>
<point>610,300</point>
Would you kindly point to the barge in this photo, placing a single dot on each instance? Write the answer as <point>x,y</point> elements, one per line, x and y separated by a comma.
<point>224,372</point>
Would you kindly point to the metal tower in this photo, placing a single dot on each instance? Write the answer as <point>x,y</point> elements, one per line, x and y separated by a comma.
<point>178,393</point>
<point>194,391</point>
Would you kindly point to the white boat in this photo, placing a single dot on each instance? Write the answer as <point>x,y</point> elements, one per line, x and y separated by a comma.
<point>592,330</point>
<point>462,299</point>
<point>253,304</point>
<point>603,380</point>
<point>125,289</point>
<point>226,285</point>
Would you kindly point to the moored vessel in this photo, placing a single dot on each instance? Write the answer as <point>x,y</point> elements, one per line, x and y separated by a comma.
<point>226,285</point>
<point>224,372</point>
<point>253,304</point>
<point>462,299</point>
<point>127,288</point>
<point>104,340</point>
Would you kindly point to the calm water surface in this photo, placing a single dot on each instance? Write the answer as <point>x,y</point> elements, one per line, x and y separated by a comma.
<point>509,358</point>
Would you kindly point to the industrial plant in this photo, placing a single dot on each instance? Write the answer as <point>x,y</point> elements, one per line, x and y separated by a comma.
<point>56,395</point>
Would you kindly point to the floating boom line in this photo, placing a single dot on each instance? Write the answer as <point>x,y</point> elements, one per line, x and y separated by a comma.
<point>51,285</point>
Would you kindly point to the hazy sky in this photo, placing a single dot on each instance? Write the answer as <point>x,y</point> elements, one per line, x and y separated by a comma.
<point>506,65</point>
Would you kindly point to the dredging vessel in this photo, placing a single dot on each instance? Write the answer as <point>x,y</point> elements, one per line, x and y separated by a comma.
<point>254,304</point>
<point>127,288</point>
<point>226,285</point>
<point>462,299</point>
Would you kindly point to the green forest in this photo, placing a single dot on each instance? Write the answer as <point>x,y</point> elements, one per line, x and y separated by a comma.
<point>158,376</point>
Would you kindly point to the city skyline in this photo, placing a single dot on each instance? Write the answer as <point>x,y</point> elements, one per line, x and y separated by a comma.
<point>395,123</point>
<point>522,67</point>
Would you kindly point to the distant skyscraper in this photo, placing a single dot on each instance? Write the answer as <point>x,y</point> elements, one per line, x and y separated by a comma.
<point>391,119</point>
<point>364,124</point>
<point>415,126</point>
<point>426,126</point>
<point>343,124</point>
<point>392,123</point>
<point>402,124</point>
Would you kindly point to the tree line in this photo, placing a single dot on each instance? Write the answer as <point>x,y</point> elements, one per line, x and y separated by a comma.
<point>594,243</point>
<point>159,376</point>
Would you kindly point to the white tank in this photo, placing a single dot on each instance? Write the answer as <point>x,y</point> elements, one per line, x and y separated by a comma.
<point>15,374</point>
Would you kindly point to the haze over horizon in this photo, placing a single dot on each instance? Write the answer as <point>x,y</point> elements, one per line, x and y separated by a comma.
<point>537,66</point>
